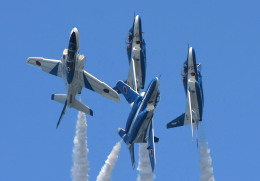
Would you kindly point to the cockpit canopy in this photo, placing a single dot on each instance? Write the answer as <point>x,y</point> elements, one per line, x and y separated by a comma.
<point>158,98</point>
<point>70,65</point>
<point>199,67</point>
<point>185,69</point>
<point>72,50</point>
<point>129,37</point>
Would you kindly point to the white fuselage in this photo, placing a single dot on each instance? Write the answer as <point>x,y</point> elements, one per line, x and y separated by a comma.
<point>135,74</point>
<point>73,86</point>
<point>191,87</point>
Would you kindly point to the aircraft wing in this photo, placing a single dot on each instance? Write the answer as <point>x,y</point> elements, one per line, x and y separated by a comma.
<point>151,146</point>
<point>47,65</point>
<point>92,83</point>
<point>127,91</point>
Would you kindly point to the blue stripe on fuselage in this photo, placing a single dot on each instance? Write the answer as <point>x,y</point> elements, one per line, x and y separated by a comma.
<point>137,125</point>
<point>149,93</point>
<point>143,104</point>
<point>132,113</point>
<point>70,72</point>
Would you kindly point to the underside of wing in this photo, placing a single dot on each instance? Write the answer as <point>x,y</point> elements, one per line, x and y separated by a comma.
<point>129,94</point>
<point>47,65</point>
<point>92,83</point>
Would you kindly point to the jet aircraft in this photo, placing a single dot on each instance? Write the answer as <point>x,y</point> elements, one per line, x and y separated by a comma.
<point>192,81</point>
<point>139,125</point>
<point>71,69</point>
<point>136,56</point>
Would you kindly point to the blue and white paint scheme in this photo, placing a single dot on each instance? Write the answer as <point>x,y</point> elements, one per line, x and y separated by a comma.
<point>136,56</point>
<point>71,69</point>
<point>192,81</point>
<point>139,125</point>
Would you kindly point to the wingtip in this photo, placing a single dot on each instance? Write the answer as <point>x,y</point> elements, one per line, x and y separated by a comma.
<point>91,112</point>
<point>57,125</point>
<point>133,165</point>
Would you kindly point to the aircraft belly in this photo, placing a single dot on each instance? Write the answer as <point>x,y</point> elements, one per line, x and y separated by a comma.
<point>138,73</point>
<point>72,91</point>
<point>194,102</point>
<point>138,69</point>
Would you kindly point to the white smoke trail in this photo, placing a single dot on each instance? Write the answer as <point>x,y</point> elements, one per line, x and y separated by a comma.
<point>144,165</point>
<point>106,171</point>
<point>206,170</point>
<point>80,151</point>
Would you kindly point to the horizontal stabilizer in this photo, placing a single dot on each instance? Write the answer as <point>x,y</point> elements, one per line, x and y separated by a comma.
<point>179,121</point>
<point>127,91</point>
<point>61,98</point>
<point>124,136</point>
<point>156,139</point>
<point>82,107</point>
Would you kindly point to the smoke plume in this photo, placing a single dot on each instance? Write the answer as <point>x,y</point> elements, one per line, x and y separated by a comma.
<point>80,151</point>
<point>144,165</point>
<point>106,171</point>
<point>206,170</point>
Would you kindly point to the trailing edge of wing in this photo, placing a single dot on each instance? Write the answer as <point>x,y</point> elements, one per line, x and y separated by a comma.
<point>92,83</point>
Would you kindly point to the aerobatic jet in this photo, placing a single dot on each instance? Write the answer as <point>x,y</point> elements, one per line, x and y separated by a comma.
<point>139,125</point>
<point>71,69</point>
<point>136,56</point>
<point>192,81</point>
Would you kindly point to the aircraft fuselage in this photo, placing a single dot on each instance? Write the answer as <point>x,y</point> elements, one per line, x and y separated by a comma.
<point>73,66</point>
<point>141,114</point>
<point>193,84</point>
<point>136,56</point>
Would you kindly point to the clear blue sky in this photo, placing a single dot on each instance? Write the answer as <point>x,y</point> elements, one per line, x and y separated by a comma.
<point>225,36</point>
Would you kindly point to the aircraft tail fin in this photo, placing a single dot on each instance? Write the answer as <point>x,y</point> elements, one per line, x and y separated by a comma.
<point>127,91</point>
<point>179,121</point>
<point>151,147</point>
<point>62,113</point>
<point>125,137</point>
<point>61,98</point>
<point>132,154</point>
<point>82,107</point>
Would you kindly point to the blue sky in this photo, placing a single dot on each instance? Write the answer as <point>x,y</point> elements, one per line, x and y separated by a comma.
<point>225,36</point>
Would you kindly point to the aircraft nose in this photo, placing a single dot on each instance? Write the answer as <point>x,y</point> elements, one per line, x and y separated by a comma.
<point>156,80</point>
<point>137,22</point>
<point>192,52</point>
<point>75,30</point>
